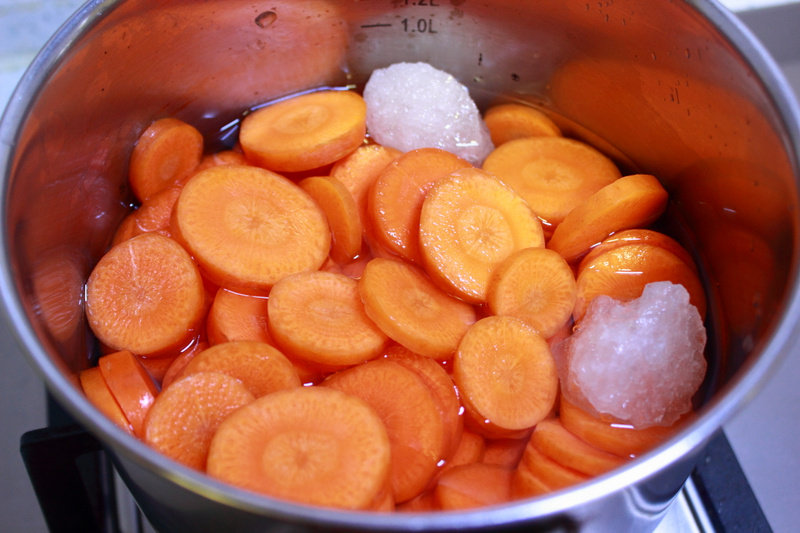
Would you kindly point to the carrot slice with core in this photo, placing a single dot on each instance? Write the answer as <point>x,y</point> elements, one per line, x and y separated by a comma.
<point>183,418</point>
<point>318,317</point>
<point>411,310</point>
<point>507,122</point>
<point>145,295</point>
<point>469,223</point>
<point>535,285</point>
<point>506,376</point>
<point>313,445</point>
<point>304,132</point>
<point>249,227</point>
<point>341,212</point>
<point>131,385</point>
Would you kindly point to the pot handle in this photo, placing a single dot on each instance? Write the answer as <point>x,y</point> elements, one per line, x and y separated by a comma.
<point>66,466</point>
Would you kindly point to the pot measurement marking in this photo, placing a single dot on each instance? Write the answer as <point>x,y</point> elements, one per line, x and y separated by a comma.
<point>410,24</point>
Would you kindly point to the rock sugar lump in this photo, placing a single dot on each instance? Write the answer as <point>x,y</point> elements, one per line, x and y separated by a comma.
<point>639,361</point>
<point>414,105</point>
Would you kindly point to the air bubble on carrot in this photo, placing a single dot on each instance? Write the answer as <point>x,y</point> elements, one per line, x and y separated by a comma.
<point>535,285</point>
<point>97,392</point>
<point>318,317</point>
<point>413,311</point>
<point>175,369</point>
<point>408,409</point>
<point>131,385</point>
<point>507,122</point>
<point>237,317</point>
<point>552,174</point>
<point>184,417</point>
<point>166,153</point>
<point>341,212</point>
<point>553,440</point>
<point>262,368</point>
<point>304,132</point>
<point>145,295</point>
<point>473,485</point>
<point>249,227</point>
<point>313,445</point>
<point>632,201</point>
<point>469,223</point>
<point>506,376</point>
<point>396,197</point>
<point>358,170</point>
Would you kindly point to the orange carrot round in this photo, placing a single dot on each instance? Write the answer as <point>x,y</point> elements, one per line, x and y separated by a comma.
<point>469,223</point>
<point>131,385</point>
<point>411,310</point>
<point>304,132</point>
<point>145,295</point>
<point>183,418</point>
<point>97,392</point>
<point>312,445</point>
<point>248,227</point>
<point>237,317</point>
<point>638,236</point>
<point>507,122</point>
<point>175,368</point>
<point>473,485</point>
<point>552,439</point>
<point>341,212</point>
<point>552,474</point>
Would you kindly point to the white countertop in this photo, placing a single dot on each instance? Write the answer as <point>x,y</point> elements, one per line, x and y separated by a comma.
<point>758,435</point>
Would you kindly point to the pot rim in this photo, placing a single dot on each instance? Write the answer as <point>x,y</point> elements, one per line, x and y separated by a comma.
<point>749,380</point>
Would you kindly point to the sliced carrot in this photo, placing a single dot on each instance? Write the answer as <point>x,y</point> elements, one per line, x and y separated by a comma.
<point>318,317</point>
<point>223,157</point>
<point>358,170</point>
<point>341,212</point>
<point>526,484</point>
<point>183,418</point>
<point>396,197</point>
<point>157,366</point>
<point>145,295</point>
<point>153,215</point>
<point>473,485</point>
<point>304,132</point>
<point>609,435</point>
<point>411,310</point>
<point>131,385</point>
<point>470,449</point>
<point>261,367</point>
<point>97,392</point>
<point>639,236</point>
<point>312,445</point>
<point>552,174</point>
<point>623,272</point>
<point>441,386</point>
<point>237,317</point>
<point>248,227</point>
<point>535,285</point>
<point>507,122</point>
<point>629,202</point>
<point>127,229</point>
<point>166,154</point>
<point>422,503</point>
<point>179,363</point>
<point>554,475</point>
<point>411,416</point>
<point>505,452</point>
<point>469,223</point>
<point>553,440</point>
<point>506,376</point>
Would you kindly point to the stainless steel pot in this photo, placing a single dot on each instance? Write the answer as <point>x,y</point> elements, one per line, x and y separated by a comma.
<point>679,89</point>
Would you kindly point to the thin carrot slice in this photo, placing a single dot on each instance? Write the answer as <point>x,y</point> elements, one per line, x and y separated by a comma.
<point>609,435</point>
<point>341,212</point>
<point>552,474</point>
<point>145,295</point>
<point>313,445</point>
<point>505,452</point>
<point>470,223</point>
<point>535,285</point>
<point>396,197</point>
<point>623,272</point>
<point>507,122</point>
<point>237,317</point>
<point>412,419</point>
<point>304,132</point>
<point>506,376</point>
<point>554,441</point>
<point>179,363</point>
<point>131,385</point>
<point>260,367</point>
<point>526,484</point>
<point>441,386</point>
<point>411,310</point>
<point>98,393</point>
<point>183,418</point>
<point>473,485</point>
<point>552,174</point>
<point>638,236</point>
<point>249,227</point>
<point>629,202</point>
<point>318,317</point>
<point>166,153</point>
<point>223,157</point>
